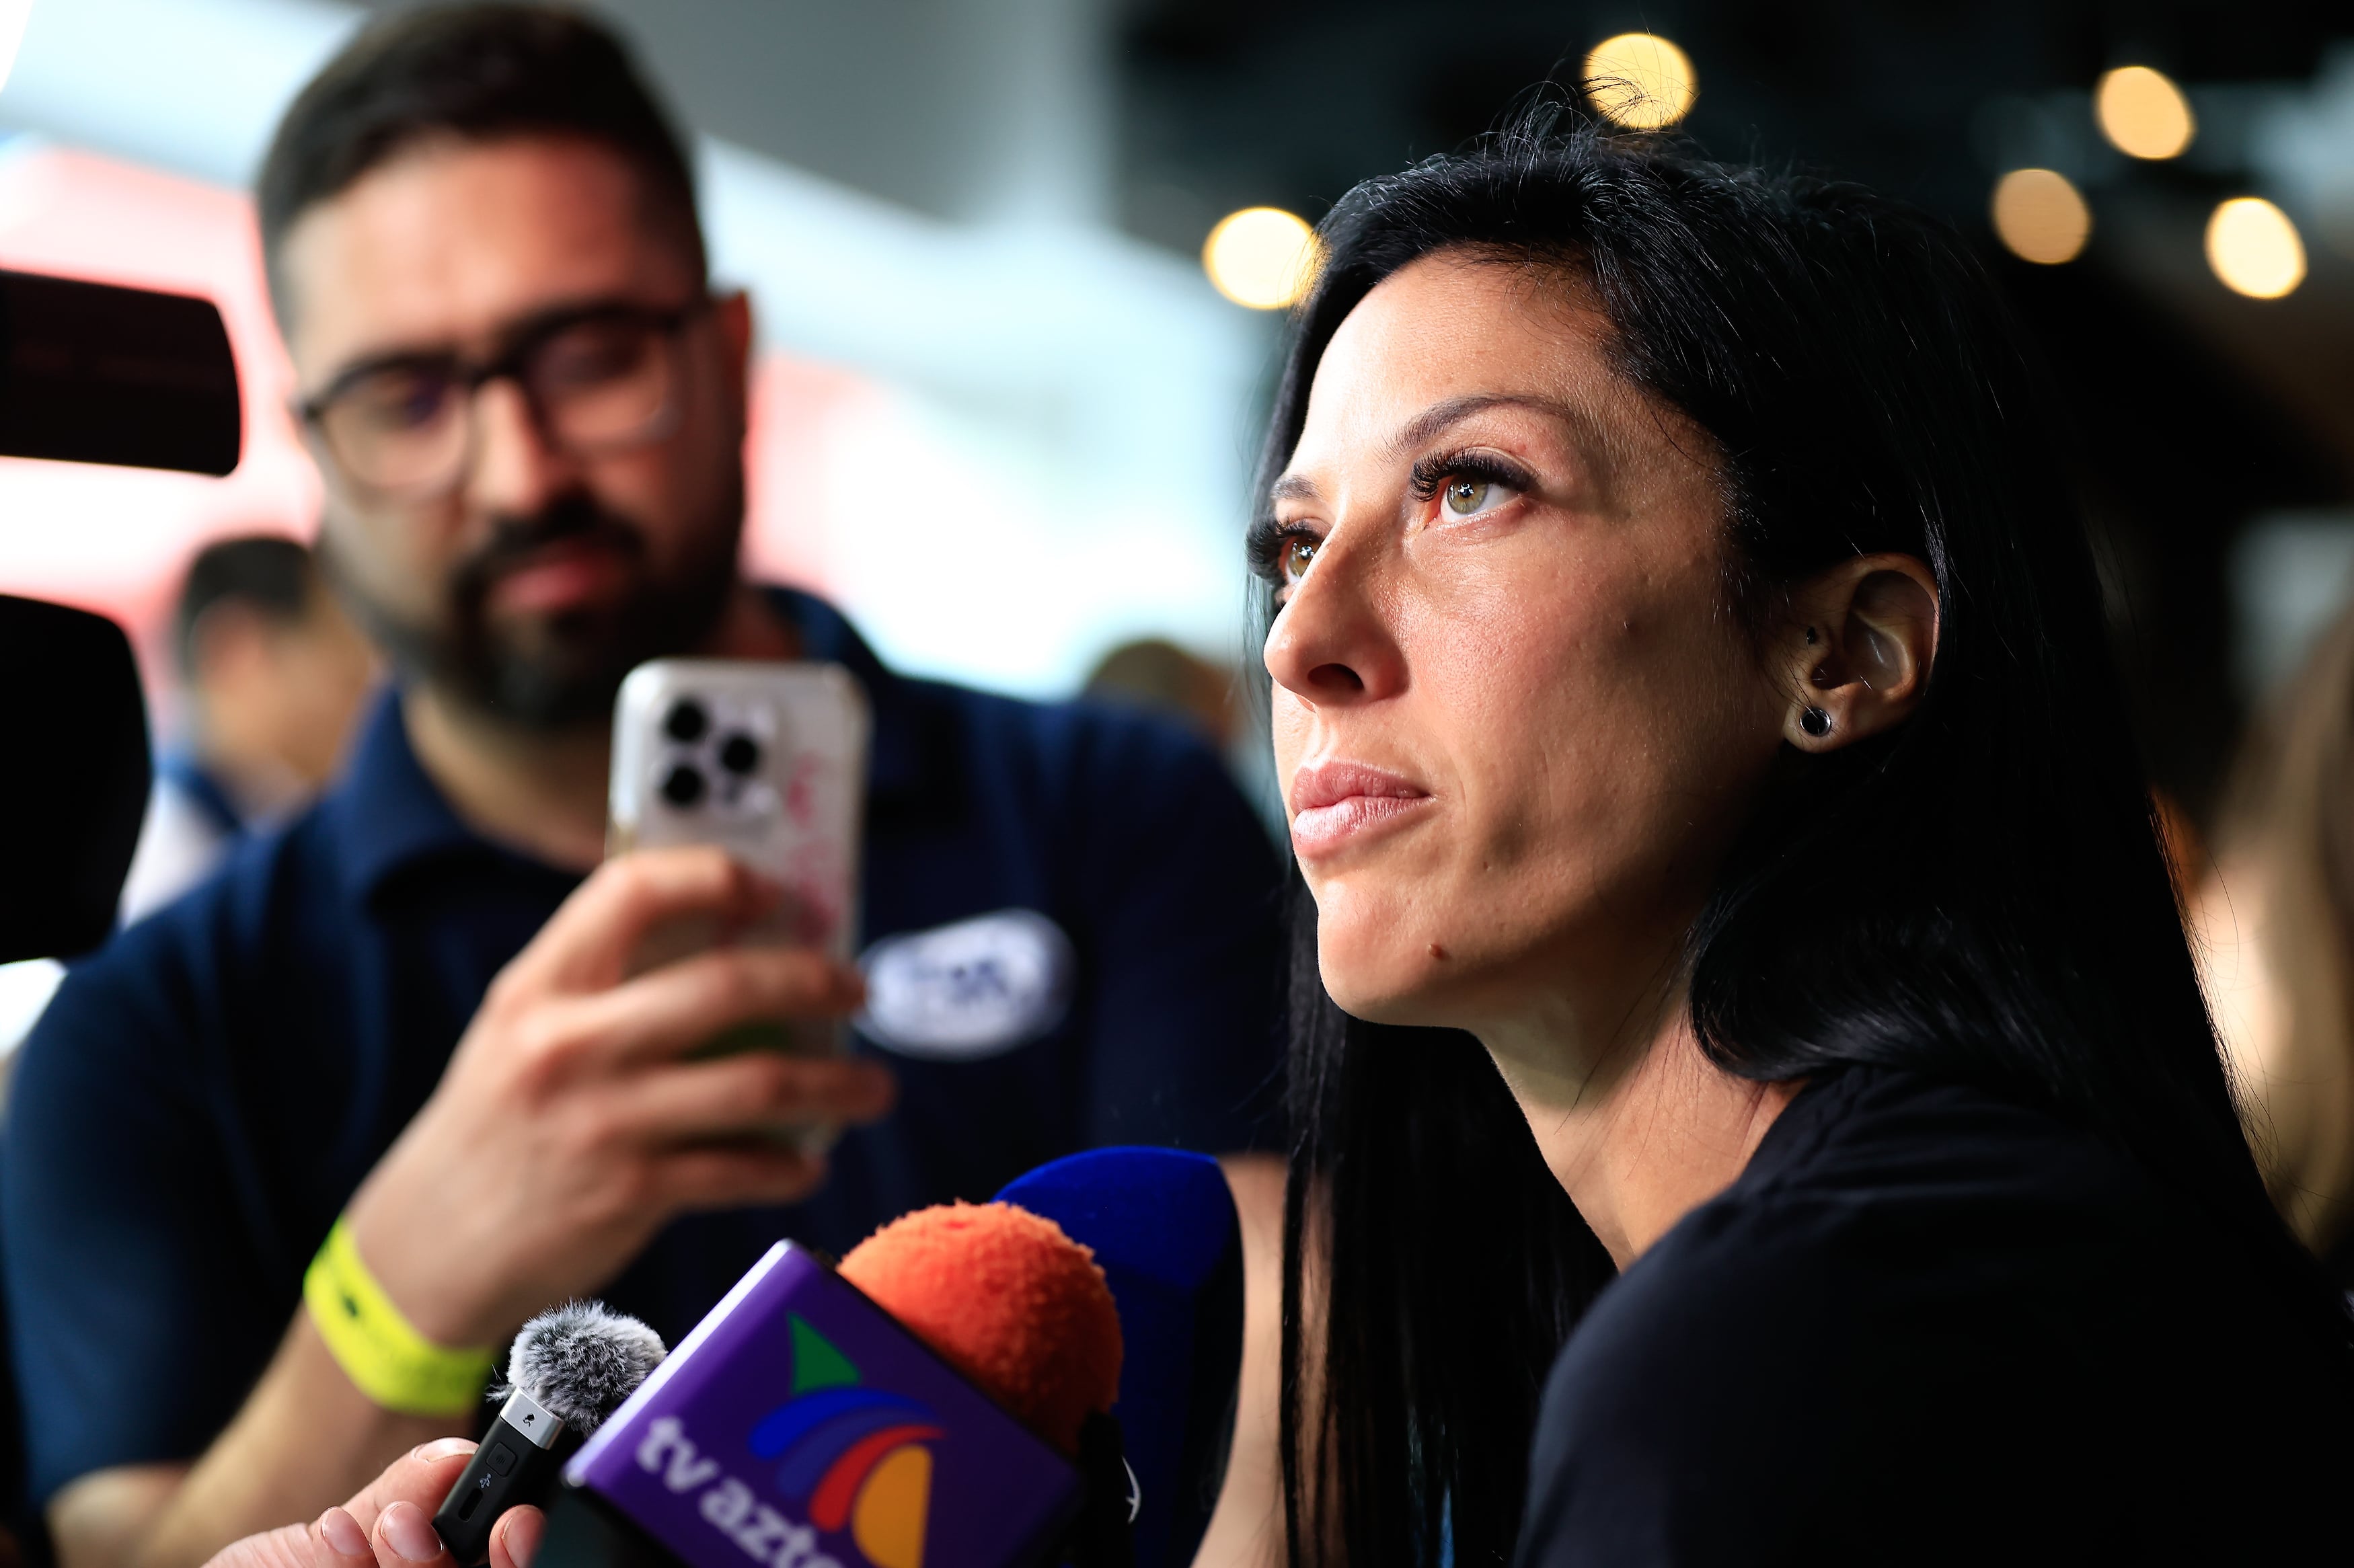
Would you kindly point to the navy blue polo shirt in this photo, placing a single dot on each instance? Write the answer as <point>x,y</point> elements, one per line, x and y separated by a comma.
<point>202,1098</point>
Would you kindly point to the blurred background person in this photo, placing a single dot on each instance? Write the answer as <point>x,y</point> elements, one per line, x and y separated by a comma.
<point>405,1038</point>
<point>2274,915</point>
<point>1154,673</point>
<point>1157,674</point>
<point>272,674</point>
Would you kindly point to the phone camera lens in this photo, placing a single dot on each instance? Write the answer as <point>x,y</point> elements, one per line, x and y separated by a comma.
<point>686,721</point>
<point>683,785</point>
<point>739,754</point>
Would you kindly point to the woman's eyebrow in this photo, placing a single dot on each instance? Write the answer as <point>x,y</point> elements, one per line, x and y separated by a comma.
<point>1433,421</point>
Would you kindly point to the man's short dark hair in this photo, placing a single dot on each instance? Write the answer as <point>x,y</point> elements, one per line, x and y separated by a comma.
<point>474,72</point>
<point>271,575</point>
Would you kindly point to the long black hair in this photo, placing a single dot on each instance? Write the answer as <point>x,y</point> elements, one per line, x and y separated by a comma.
<point>1977,895</point>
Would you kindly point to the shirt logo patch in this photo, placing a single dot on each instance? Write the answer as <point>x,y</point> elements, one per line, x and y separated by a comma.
<point>973,989</point>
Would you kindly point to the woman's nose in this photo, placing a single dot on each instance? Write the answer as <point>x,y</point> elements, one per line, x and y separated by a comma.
<point>1330,646</point>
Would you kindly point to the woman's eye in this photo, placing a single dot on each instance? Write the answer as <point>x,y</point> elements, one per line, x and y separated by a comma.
<point>1298,554</point>
<point>1466,496</point>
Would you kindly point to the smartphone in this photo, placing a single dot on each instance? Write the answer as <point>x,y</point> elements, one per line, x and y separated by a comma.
<point>768,761</point>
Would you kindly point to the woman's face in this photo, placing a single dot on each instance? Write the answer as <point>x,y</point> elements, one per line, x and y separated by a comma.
<point>1514,723</point>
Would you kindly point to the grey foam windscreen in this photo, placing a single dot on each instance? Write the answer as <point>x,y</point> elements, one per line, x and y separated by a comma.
<point>581,1361</point>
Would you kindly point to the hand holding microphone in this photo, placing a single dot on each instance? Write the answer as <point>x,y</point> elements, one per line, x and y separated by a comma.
<point>386,1524</point>
<point>568,1369</point>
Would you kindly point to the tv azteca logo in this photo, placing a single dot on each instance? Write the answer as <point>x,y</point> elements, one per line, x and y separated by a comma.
<point>858,1455</point>
<point>853,1457</point>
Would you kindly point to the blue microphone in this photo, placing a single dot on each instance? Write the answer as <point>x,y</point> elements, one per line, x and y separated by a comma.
<point>1163,1228</point>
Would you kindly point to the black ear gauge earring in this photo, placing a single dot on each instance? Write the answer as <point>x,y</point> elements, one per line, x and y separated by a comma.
<point>1815,722</point>
<point>1810,636</point>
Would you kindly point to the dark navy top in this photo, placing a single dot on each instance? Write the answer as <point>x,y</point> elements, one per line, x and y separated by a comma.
<point>202,1097</point>
<point>1928,1326</point>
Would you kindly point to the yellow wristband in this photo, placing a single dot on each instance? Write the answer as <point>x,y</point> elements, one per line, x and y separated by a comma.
<point>379,1349</point>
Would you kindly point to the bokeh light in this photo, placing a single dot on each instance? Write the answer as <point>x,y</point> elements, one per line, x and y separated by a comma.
<point>2040,216</point>
<point>1262,257</point>
<point>2143,113</point>
<point>2254,248</point>
<point>1641,81</point>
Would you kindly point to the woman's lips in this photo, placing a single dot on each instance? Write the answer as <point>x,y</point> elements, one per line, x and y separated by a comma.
<point>1337,803</point>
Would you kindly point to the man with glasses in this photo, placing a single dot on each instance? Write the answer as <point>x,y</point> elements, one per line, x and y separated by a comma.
<point>288,1161</point>
<point>600,377</point>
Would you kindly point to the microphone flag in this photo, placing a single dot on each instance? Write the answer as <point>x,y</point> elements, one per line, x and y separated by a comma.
<point>800,1426</point>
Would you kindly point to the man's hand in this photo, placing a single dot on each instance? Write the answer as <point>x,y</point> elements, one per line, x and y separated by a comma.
<point>389,1524</point>
<point>568,1129</point>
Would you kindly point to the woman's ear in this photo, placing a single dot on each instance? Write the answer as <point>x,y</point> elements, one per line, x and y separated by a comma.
<point>1858,649</point>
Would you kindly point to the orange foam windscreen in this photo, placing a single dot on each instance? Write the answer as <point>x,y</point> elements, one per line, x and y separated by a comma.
<point>1006,1298</point>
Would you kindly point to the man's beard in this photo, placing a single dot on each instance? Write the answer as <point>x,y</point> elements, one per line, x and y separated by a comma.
<point>550,672</point>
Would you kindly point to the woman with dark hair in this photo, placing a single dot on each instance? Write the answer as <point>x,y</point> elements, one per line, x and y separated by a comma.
<point>1742,974</point>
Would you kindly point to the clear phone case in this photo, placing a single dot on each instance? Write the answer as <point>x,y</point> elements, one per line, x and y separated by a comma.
<point>768,762</point>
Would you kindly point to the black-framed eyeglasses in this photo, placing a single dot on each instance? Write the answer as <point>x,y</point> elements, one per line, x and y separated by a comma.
<point>597,379</point>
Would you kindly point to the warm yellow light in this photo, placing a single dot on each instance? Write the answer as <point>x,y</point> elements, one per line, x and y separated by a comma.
<point>2254,248</point>
<point>1262,257</point>
<point>2040,216</point>
<point>2143,112</point>
<point>1641,81</point>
